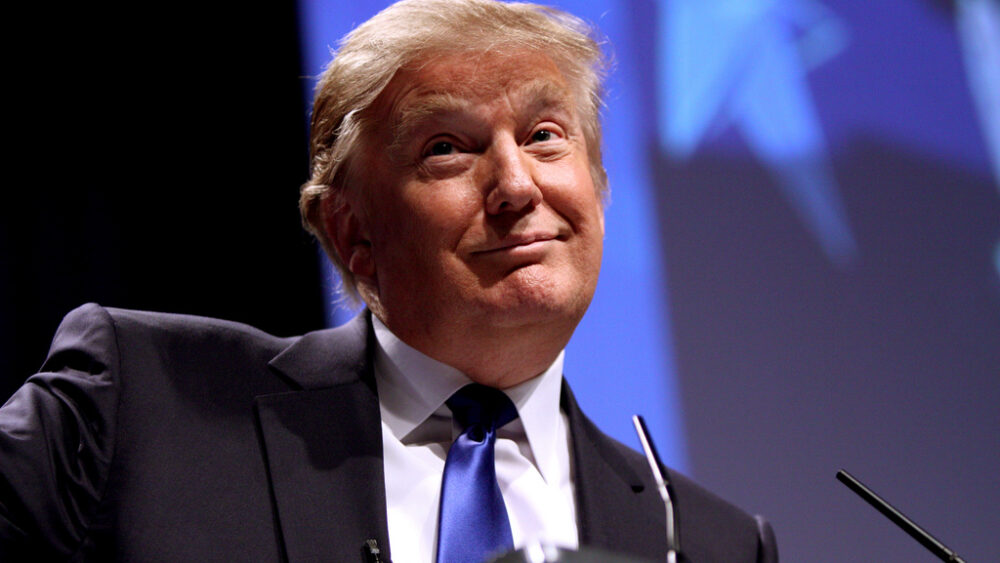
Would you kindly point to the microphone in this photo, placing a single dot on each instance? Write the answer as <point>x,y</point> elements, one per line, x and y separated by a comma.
<point>662,485</point>
<point>897,517</point>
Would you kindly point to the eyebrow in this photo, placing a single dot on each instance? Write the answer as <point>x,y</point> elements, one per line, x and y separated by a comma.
<point>543,95</point>
<point>428,106</point>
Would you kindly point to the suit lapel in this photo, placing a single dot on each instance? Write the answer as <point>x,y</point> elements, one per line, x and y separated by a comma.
<point>613,503</point>
<point>323,447</point>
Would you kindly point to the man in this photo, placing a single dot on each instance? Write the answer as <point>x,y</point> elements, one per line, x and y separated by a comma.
<point>457,185</point>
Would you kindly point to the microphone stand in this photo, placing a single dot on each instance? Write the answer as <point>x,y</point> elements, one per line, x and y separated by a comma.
<point>897,517</point>
<point>662,485</point>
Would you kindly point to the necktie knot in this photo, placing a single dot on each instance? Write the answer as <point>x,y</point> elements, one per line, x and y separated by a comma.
<point>479,410</point>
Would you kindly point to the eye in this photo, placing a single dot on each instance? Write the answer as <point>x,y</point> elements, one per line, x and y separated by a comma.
<point>541,136</point>
<point>441,148</point>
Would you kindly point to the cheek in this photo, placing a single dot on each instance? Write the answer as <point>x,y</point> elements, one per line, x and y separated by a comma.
<point>425,221</point>
<point>443,210</point>
<point>573,195</point>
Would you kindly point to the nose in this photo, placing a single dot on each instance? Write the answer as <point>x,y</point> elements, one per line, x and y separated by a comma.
<point>512,185</point>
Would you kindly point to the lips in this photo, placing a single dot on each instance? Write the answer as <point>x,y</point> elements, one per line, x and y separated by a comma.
<point>513,242</point>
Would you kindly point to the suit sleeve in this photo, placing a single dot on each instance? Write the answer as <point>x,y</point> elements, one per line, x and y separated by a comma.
<point>57,441</point>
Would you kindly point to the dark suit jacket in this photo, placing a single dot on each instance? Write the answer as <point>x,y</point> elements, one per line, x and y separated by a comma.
<point>154,437</point>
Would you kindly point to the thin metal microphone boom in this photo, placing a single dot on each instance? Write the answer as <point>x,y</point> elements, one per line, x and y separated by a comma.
<point>898,518</point>
<point>662,485</point>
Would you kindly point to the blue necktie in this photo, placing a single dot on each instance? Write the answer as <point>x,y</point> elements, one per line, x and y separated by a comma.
<point>473,522</point>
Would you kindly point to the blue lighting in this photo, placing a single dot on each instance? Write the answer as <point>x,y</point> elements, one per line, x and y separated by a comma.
<point>743,65</point>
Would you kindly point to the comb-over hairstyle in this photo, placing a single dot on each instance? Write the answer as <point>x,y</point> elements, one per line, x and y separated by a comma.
<point>406,32</point>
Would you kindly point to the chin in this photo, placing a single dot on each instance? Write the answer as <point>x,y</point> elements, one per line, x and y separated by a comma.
<point>527,298</point>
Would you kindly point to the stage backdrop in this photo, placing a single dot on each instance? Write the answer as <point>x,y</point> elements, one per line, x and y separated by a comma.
<point>801,264</point>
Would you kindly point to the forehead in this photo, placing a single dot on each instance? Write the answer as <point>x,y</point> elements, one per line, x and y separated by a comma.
<point>463,81</point>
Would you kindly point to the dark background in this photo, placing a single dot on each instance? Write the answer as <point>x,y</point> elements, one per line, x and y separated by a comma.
<point>157,155</point>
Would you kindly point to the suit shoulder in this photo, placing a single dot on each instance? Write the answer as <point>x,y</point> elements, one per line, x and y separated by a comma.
<point>174,325</point>
<point>111,335</point>
<point>707,522</point>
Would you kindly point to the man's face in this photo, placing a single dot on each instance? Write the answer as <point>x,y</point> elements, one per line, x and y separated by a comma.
<point>477,199</point>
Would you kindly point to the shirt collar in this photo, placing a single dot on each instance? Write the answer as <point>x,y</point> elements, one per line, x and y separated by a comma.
<point>537,402</point>
<point>413,386</point>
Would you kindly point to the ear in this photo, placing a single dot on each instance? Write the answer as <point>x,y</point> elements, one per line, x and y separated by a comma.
<point>348,232</point>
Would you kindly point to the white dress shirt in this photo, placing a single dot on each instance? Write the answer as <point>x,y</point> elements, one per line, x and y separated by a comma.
<point>532,451</point>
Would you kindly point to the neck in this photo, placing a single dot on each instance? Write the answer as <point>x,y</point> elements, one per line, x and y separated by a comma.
<point>499,358</point>
<point>501,364</point>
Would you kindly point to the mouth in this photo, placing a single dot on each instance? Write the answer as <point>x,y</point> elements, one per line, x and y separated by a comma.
<point>515,243</point>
